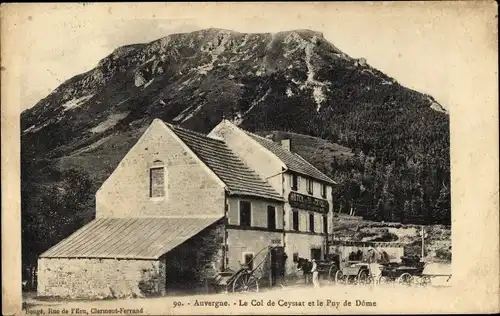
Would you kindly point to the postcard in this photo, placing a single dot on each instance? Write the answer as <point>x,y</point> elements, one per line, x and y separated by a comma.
<point>250,158</point>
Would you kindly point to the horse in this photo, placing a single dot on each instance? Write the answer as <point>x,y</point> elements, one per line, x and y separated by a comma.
<point>305,266</point>
<point>376,260</point>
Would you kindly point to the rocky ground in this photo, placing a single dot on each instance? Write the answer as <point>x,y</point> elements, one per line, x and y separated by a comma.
<point>437,242</point>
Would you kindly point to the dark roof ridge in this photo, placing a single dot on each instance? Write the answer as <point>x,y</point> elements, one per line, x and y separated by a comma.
<point>238,177</point>
<point>193,132</point>
<point>292,160</point>
<point>253,134</point>
<point>300,157</point>
<point>272,141</point>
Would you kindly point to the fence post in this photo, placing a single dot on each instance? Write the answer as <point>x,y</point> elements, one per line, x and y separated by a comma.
<point>423,242</point>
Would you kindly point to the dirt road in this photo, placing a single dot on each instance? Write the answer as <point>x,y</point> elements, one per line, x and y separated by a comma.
<point>330,299</point>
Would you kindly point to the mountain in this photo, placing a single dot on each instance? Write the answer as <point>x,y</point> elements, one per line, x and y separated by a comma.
<point>193,78</point>
<point>387,145</point>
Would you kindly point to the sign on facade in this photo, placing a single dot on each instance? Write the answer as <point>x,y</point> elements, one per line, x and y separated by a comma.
<point>308,203</point>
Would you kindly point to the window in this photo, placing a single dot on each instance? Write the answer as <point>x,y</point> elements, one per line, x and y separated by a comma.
<point>310,186</point>
<point>325,224</point>
<point>316,253</point>
<point>295,182</point>
<point>323,190</point>
<point>311,222</point>
<point>245,214</point>
<point>295,257</point>
<point>156,182</point>
<point>248,259</point>
<point>295,220</point>
<point>271,217</point>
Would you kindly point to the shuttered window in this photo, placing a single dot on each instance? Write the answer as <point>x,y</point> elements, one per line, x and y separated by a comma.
<point>310,186</point>
<point>311,223</point>
<point>245,214</point>
<point>157,182</point>
<point>295,220</point>
<point>271,217</point>
<point>325,224</point>
<point>295,182</point>
<point>323,190</point>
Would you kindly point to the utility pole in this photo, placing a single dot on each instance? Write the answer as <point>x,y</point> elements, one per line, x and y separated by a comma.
<point>423,240</point>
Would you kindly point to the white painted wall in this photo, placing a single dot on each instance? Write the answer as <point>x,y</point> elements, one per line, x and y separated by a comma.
<point>265,163</point>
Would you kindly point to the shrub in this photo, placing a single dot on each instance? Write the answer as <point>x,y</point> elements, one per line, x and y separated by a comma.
<point>147,287</point>
<point>444,254</point>
<point>386,237</point>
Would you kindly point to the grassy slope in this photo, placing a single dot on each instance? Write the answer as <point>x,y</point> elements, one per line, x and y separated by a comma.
<point>317,151</point>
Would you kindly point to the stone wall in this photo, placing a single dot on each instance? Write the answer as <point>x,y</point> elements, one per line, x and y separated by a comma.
<point>185,267</point>
<point>197,261</point>
<point>100,278</point>
<point>191,188</point>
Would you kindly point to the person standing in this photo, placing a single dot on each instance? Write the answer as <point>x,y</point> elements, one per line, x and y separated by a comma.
<point>314,271</point>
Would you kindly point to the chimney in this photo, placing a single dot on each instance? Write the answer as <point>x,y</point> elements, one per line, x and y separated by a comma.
<point>285,143</point>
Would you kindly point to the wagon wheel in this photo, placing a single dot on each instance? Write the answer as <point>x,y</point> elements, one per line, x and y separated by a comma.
<point>332,272</point>
<point>405,279</point>
<point>339,276</point>
<point>245,282</point>
<point>418,280</point>
<point>425,280</point>
<point>364,277</point>
<point>351,279</point>
<point>384,280</point>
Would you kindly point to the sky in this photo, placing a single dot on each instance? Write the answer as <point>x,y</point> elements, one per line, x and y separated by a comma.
<point>426,47</point>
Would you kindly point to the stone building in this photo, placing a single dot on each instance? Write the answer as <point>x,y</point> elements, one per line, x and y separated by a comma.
<point>306,191</point>
<point>182,206</point>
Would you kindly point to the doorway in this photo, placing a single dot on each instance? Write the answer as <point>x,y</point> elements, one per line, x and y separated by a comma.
<point>277,265</point>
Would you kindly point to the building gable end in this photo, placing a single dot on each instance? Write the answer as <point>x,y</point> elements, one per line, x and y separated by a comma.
<point>186,147</point>
<point>242,133</point>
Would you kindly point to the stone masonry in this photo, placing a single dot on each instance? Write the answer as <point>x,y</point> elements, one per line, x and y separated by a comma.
<point>196,261</point>
<point>126,192</point>
<point>100,278</point>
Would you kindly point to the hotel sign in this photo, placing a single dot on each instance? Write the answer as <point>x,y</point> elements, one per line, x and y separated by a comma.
<point>306,202</point>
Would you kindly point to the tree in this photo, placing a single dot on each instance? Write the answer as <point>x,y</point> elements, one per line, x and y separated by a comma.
<point>54,214</point>
<point>442,208</point>
<point>407,212</point>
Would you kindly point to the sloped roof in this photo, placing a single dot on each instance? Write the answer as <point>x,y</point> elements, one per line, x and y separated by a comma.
<point>128,238</point>
<point>293,161</point>
<point>238,177</point>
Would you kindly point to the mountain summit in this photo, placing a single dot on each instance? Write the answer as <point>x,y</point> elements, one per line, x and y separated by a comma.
<point>193,78</point>
<point>294,81</point>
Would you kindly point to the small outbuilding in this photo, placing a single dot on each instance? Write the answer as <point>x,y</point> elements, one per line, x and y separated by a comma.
<point>117,257</point>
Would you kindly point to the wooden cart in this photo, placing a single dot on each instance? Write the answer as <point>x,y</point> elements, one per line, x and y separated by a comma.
<point>407,272</point>
<point>429,274</point>
<point>245,279</point>
<point>353,273</point>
